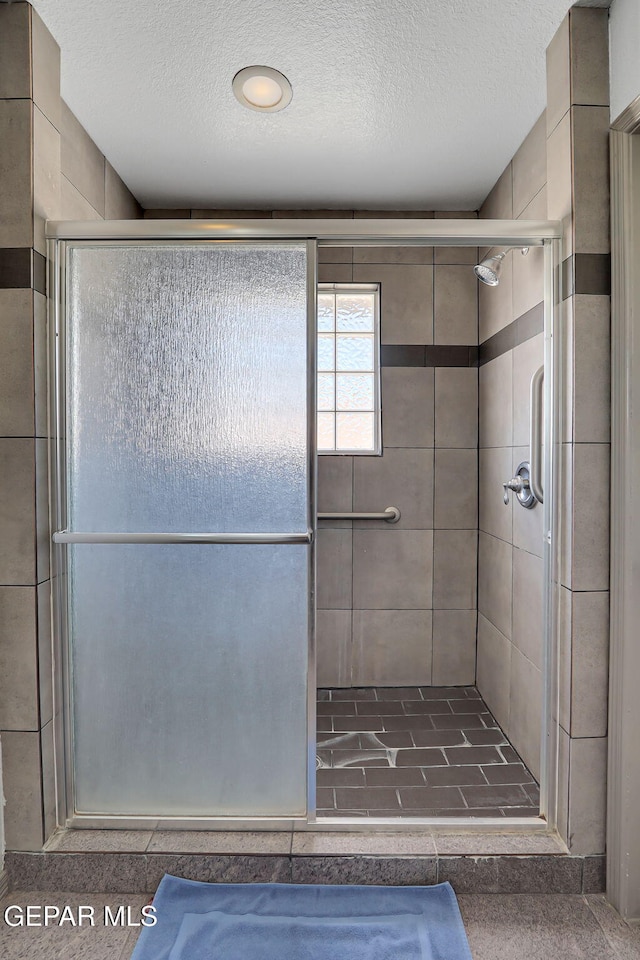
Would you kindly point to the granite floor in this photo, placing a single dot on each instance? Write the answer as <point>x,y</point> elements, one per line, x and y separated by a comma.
<point>499,927</point>
<point>417,752</point>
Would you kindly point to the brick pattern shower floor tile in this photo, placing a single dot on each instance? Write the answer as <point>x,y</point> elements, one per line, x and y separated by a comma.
<point>417,752</point>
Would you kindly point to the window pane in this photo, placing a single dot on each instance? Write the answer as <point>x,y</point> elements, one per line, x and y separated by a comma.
<point>326,431</point>
<point>326,391</point>
<point>355,311</point>
<point>355,391</point>
<point>354,431</point>
<point>326,356</point>
<point>326,308</point>
<point>354,353</point>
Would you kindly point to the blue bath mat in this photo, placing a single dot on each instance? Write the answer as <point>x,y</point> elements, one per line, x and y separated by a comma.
<point>281,921</point>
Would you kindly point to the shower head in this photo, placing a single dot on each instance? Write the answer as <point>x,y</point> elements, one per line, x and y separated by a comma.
<point>489,269</point>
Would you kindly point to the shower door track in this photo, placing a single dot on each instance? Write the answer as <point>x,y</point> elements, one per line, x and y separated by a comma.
<point>328,233</point>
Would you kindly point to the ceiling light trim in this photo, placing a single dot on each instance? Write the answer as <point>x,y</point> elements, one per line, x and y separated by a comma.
<point>249,73</point>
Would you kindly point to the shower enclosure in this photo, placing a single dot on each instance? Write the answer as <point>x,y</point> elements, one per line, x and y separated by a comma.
<point>184,512</point>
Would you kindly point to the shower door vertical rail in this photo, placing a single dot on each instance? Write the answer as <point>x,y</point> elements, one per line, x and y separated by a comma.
<point>183,401</point>
<point>552,428</point>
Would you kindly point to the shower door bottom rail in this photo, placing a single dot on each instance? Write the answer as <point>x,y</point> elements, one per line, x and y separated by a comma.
<point>67,536</point>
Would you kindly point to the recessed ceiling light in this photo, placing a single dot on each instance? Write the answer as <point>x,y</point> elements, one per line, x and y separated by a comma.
<point>262,88</point>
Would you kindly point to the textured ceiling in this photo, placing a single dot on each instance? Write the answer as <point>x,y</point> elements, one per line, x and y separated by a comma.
<point>396,103</point>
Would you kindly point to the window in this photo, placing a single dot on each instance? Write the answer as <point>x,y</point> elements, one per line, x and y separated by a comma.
<point>348,368</point>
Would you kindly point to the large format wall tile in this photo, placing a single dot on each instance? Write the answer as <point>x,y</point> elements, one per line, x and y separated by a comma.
<point>525,711</point>
<point>454,647</point>
<point>591,369</point>
<point>16,226</point>
<point>496,303</point>
<point>590,141</point>
<point>15,54</point>
<point>455,305</point>
<point>335,485</point>
<point>82,162</point>
<point>46,177</point>
<point>559,181</point>
<point>496,467</point>
<point>16,363</point>
<point>494,582</point>
<point>333,648</point>
<point>587,795</point>
<point>528,626</point>
<point>407,395</point>
<point>558,77</point>
<point>406,300</point>
<point>119,202</point>
<point>528,270</point>
<point>401,478</point>
<point>17,512</point>
<point>333,560</point>
<point>21,781</point>
<point>18,659</point>
<point>392,569</point>
<point>493,670</point>
<point>456,489</point>
<point>456,406</point>
<point>590,524</point>
<point>455,569</point>
<point>529,167</point>
<point>589,664</point>
<point>589,56</point>
<point>404,661</point>
<point>46,71</point>
<point>496,402</point>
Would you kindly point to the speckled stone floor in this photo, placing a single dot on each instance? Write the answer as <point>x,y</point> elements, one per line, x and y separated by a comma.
<point>499,927</point>
<point>417,752</point>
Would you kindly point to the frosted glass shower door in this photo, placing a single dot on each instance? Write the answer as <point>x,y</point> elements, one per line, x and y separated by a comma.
<point>188,527</point>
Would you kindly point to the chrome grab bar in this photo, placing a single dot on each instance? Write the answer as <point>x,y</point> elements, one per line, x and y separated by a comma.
<point>390,514</point>
<point>535,434</point>
<point>66,536</point>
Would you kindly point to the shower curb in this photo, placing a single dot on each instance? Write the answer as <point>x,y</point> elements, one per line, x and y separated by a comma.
<point>83,872</point>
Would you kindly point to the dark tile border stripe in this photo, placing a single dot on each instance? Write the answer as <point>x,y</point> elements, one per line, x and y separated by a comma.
<point>15,267</point>
<point>22,268</point>
<point>39,273</point>
<point>432,355</point>
<point>529,325</point>
<point>588,273</point>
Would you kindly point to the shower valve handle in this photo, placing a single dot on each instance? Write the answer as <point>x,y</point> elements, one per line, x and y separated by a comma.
<point>517,484</point>
<point>520,485</point>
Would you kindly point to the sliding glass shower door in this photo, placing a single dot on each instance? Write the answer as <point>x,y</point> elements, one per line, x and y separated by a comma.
<point>186,521</point>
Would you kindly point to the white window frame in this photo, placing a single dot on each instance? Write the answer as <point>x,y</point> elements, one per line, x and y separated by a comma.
<point>355,288</point>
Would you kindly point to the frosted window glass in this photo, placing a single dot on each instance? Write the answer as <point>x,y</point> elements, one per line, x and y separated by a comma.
<point>355,312</point>
<point>354,353</point>
<point>354,391</point>
<point>354,431</point>
<point>189,679</point>
<point>326,352</point>
<point>187,387</point>
<point>326,391</point>
<point>326,311</point>
<point>326,439</point>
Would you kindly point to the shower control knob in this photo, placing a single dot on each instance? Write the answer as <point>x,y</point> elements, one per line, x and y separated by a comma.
<point>521,487</point>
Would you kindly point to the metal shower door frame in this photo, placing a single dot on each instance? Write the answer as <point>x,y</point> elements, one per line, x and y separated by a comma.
<point>317,232</point>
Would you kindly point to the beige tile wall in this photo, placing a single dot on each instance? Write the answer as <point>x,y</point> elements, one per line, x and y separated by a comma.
<point>578,194</point>
<point>397,604</point>
<point>51,169</point>
<point>560,172</point>
<point>510,556</point>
